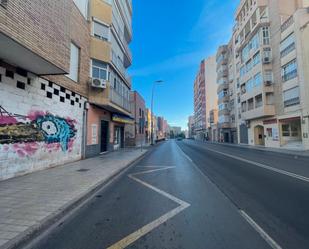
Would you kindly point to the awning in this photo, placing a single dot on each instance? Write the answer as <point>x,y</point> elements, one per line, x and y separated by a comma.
<point>17,55</point>
<point>290,119</point>
<point>122,119</point>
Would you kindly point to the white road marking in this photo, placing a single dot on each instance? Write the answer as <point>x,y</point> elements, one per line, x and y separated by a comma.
<point>257,228</point>
<point>154,166</point>
<point>128,240</point>
<point>283,172</point>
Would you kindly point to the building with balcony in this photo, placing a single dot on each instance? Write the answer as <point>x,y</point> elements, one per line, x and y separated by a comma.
<point>135,134</point>
<point>225,90</point>
<point>271,97</point>
<point>44,72</point>
<point>110,86</point>
<point>205,97</point>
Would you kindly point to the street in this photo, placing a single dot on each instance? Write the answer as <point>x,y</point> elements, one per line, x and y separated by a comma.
<point>188,194</point>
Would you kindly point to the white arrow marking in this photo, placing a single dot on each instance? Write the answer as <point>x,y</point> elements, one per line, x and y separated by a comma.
<point>128,240</point>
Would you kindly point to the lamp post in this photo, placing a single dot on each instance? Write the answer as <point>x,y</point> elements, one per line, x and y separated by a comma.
<point>153,88</point>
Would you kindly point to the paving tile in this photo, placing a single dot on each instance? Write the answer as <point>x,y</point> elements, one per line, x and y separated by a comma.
<point>8,235</point>
<point>27,200</point>
<point>3,241</point>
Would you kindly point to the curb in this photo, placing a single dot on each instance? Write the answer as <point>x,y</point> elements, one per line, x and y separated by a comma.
<point>31,233</point>
<point>301,153</point>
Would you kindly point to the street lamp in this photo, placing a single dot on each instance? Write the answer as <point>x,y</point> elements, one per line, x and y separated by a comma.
<point>153,88</point>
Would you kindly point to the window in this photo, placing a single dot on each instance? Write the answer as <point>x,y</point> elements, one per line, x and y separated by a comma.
<point>258,80</point>
<point>222,94</point>
<point>74,63</point>
<point>291,97</point>
<point>242,71</point>
<point>100,31</point>
<point>256,59</point>
<point>83,6</point>
<point>258,101</point>
<point>100,71</point>
<point>266,35</point>
<point>250,104</point>
<point>249,65</point>
<point>289,70</point>
<point>255,41</point>
<point>285,130</point>
<point>223,106</point>
<point>250,85</point>
<point>287,45</point>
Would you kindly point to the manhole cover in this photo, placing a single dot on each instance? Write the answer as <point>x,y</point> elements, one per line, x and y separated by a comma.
<point>82,170</point>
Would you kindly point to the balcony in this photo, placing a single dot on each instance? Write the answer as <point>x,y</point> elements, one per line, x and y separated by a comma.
<point>222,87</point>
<point>18,55</point>
<point>224,99</point>
<point>110,100</point>
<point>119,100</point>
<point>118,64</point>
<point>224,112</point>
<point>225,125</point>
<point>260,112</point>
<point>289,76</point>
<point>287,24</point>
<point>100,50</point>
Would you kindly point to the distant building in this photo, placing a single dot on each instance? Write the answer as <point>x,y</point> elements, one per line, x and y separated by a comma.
<point>191,127</point>
<point>136,133</point>
<point>174,131</point>
<point>205,96</point>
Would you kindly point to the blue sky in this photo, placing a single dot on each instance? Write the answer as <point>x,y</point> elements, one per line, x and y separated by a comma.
<point>170,38</point>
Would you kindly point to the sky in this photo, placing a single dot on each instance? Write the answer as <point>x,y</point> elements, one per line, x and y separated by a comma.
<point>170,38</point>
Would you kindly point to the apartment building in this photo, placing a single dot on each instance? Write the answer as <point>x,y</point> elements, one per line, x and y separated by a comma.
<point>270,73</point>
<point>109,92</point>
<point>44,71</point>
<point>205,97</point>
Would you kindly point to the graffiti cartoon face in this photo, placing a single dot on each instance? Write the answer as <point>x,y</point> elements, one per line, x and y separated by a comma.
<point>56,130</point>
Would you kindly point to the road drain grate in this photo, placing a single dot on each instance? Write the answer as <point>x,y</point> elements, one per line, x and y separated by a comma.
<point>82,170</point>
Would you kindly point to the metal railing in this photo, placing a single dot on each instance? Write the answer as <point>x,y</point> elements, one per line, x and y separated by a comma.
<point>119,100</point>
<point>287,23</point>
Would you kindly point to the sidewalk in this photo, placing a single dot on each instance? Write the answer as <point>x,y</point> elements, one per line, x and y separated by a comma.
<point>277,150</point>
<point>28,202</point>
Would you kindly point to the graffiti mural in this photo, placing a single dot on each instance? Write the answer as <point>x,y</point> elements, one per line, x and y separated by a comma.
<point>25,132</point>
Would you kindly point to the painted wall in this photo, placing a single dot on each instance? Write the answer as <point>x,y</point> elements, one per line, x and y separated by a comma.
<point>40,124</point>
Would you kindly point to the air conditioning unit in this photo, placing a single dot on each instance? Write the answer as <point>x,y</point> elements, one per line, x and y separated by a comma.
<point>98,83</point>
<point>266,60</point>
<point>268,82</point>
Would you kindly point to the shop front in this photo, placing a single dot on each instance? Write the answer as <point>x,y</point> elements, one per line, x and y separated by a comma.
<point>119,122</point>
<point>291,132</point>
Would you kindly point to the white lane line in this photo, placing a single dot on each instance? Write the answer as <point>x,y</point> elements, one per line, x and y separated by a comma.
<point>280,171</point>
<point>154,166</point>
<point>128,240</point>
<point>257,228</point>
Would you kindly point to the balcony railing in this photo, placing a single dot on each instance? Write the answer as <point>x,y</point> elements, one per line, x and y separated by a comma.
<point>290,75</point>
<point>287,24</point>
<point>287,50</point>
<point>119,100</point>
<point>119,65</point>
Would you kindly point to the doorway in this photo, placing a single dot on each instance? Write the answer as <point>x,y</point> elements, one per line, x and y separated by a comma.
<point>104,136</point>
<point>259,138</point>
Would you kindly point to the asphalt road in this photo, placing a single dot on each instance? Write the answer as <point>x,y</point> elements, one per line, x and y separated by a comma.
<point>187,194</point>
